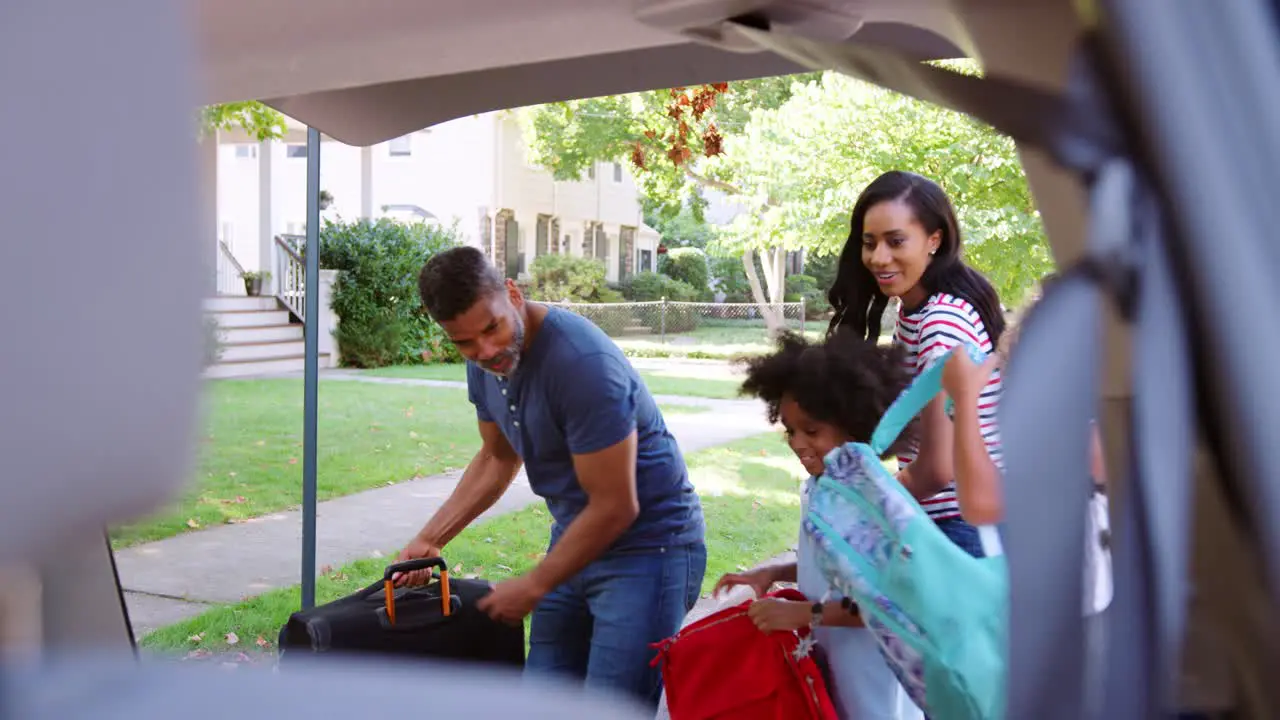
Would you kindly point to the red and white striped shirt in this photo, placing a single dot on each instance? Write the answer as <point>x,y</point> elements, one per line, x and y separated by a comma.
<point>927,332</point>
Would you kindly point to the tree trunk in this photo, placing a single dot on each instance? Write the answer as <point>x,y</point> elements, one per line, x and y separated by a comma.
<point>772,320</point>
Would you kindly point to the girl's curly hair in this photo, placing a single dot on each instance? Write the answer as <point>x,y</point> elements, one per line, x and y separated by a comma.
<point>846,381</point>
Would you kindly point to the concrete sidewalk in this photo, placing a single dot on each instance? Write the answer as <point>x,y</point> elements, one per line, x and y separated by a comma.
<point>182,576</point>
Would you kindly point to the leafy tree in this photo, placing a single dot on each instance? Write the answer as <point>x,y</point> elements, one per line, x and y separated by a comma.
<point>795,152</point>
<point>257,120</point>
<point>806,161</point>
<point>684,229</point>
<point>663,133</point>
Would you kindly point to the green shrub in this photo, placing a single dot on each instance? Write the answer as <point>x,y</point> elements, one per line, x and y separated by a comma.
<point>815,299</point>
<point>212,341</point>
<point>731,278</point>
<point>650,286</point>
<point>688,265</point>
<point>555,278</point>
<point>381,320</point>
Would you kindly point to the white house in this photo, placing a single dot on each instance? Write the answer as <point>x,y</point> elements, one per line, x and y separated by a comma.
<point>472,171</point>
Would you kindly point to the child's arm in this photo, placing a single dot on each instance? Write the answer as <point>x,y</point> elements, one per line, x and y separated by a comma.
<point>932,470</point>
<point>775,615</point>
<point>759,579</point>
<point>978,480</point>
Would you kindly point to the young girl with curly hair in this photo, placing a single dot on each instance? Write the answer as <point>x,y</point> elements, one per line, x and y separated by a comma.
<point>826,395</point>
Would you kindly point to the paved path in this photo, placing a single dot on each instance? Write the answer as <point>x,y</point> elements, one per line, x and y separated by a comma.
<point>176,578</point>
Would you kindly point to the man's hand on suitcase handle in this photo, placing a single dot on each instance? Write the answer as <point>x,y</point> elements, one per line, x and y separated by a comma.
<point>512,600</point>
<point>417,548</point>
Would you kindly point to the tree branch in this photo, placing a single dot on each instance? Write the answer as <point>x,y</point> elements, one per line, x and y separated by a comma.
<point>705,181</point>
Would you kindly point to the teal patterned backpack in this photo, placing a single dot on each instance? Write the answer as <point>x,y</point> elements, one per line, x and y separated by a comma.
<point>938,613</point>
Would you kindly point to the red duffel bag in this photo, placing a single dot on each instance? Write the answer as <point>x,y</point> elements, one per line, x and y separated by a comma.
<point>722,666</point>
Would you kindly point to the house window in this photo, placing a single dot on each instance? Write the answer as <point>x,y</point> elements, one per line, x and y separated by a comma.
<point>565,248</point>
<point>646,260</point>
<point>401,146</point>
<point>617,172</point>
<point>591,173</point>
<point>246,152</point>
<point>296,151</point>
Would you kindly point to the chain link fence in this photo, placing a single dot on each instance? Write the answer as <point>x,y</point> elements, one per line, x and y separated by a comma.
<point>694,329</point>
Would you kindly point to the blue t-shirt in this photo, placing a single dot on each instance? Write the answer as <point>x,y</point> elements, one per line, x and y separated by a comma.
<point>574,392</point>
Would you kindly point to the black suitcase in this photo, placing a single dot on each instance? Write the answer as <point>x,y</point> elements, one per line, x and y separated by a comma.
<point>409,621</point>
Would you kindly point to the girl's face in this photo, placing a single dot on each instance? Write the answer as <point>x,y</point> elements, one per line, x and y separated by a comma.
<point>809,439</point>
<point>896,249</point>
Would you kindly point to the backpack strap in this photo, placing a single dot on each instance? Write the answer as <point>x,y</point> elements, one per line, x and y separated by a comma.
<point>913,400</point>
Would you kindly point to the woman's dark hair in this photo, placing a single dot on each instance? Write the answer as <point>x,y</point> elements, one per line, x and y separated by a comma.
<point>846,381</point>
<point>857,299</point>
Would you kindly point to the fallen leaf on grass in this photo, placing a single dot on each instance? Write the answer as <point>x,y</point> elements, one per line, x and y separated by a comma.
<point>326,569</point>
<point>197,654</point>
<point>260,443</point>
<point>293,461</point>
<point>192,523</point>
<point>231,638</point>
<point>196,638</point>
<point>232,473</point>
<point>262,643</point>
<point>457,568</point>
<point>413,434</point>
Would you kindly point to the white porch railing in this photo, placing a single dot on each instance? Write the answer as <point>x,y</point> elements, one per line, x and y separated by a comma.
<point>229,270</point>
<point>290,274</point>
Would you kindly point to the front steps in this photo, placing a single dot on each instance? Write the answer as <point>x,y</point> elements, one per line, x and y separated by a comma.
<point>258,338</point>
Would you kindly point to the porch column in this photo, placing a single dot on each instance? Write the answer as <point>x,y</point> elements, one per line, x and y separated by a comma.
<point>208,168</point>
<point>366,182</point>
<point>265,210</point>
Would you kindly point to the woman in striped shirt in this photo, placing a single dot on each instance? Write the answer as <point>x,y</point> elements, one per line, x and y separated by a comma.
<point>904,242</point>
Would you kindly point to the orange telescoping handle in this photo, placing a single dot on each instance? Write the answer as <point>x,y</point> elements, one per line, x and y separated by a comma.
<point>409,566</point>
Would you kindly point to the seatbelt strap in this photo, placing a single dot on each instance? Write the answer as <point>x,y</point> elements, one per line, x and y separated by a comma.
<point>1152,554</point>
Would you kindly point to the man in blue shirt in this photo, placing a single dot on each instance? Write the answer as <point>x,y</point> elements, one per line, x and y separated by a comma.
<point>626,556</point>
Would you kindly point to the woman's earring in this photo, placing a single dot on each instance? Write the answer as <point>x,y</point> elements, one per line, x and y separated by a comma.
<point>933,251</point>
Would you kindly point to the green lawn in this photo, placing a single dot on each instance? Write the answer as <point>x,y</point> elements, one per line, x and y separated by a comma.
<point>368,435</point>
<point>712,339</point>
<point>659,382</point>
<point>750,493</point>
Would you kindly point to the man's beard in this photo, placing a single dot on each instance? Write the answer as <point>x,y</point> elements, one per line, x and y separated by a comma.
<point>508,359</point>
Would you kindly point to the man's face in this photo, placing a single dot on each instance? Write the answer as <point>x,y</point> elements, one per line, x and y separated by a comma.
<point>491,332</point>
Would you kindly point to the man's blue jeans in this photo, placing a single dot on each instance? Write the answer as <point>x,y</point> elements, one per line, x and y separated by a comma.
<point>599,626</point>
